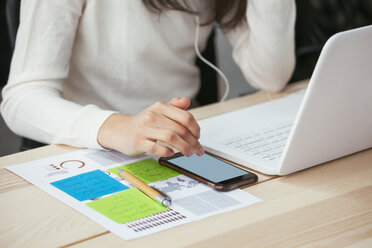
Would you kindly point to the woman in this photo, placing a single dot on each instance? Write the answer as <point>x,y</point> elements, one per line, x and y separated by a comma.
<point>97,74</point>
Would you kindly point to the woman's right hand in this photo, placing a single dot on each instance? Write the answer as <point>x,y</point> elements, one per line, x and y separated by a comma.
<point>166,122</point>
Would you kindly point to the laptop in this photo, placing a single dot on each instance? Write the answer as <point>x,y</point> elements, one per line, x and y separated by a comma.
<point>330,119</point>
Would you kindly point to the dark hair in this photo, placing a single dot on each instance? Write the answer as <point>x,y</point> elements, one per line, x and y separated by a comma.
<point>235,9</point>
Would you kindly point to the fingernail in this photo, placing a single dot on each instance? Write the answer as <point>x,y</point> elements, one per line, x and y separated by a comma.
<point>189,154</point>
<point>200,152</point>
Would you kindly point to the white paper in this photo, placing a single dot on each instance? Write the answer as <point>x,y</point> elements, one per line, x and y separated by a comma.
<point>191,200</point>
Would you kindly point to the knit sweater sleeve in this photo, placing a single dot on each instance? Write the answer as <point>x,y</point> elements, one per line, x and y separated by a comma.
<point>263,46</point>
<point>33,105</point>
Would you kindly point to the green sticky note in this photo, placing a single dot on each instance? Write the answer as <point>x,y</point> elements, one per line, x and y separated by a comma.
<point>126,206</point>
<point>148,170</point>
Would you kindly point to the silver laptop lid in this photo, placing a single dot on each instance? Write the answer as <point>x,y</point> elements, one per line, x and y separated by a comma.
<point>335,117</point>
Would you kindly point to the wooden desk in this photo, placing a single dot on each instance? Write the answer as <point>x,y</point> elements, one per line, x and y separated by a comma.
<point>324,206</point>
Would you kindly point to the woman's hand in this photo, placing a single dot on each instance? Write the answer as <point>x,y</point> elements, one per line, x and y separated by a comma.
<point>166,122</point>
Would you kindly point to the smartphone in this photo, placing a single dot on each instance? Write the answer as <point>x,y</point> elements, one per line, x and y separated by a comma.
<point>210,170</point>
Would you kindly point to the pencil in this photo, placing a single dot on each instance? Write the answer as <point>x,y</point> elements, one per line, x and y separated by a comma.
<point>149,191</point>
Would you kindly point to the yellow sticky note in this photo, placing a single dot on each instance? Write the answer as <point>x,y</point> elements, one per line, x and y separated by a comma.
<point>126,206</point>
<point>148,170</point>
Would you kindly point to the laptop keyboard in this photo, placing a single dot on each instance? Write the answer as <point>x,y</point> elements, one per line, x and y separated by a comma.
<point>266,144</point>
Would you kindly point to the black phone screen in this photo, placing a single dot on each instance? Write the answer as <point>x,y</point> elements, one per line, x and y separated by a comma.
<point>208,167</point>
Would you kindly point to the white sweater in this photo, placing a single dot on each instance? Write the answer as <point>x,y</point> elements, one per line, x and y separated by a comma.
<point>78,61</point>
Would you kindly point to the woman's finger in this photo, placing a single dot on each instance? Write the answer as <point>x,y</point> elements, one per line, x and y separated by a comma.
<point>182,103</point>
<point>181,116</point>
<point>156,149</point>
<point>171,138</point>
<point>184,133</point>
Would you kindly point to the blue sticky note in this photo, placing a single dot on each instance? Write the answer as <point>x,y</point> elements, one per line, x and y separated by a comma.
<point>89,185</point>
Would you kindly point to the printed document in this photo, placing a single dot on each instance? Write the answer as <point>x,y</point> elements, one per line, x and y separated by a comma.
<point>88,181</point>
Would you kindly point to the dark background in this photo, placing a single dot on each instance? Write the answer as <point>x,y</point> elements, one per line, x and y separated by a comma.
<point>4,46</point>
<point>9,142</point>
<point>316,21</point>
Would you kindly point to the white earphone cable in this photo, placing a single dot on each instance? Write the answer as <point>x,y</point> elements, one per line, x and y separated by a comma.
<point>196,47</point>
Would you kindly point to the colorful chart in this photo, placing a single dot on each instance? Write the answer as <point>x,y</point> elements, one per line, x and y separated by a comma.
<point>72,164</point>
<point>148,170</point>
<point>89,185</point>
<point>128,205</point>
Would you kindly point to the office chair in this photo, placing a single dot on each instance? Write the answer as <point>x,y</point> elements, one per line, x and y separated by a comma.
<point>12,12</point>
<point>317,21</point>
<point>12,18</point>
<point>208,92</point>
